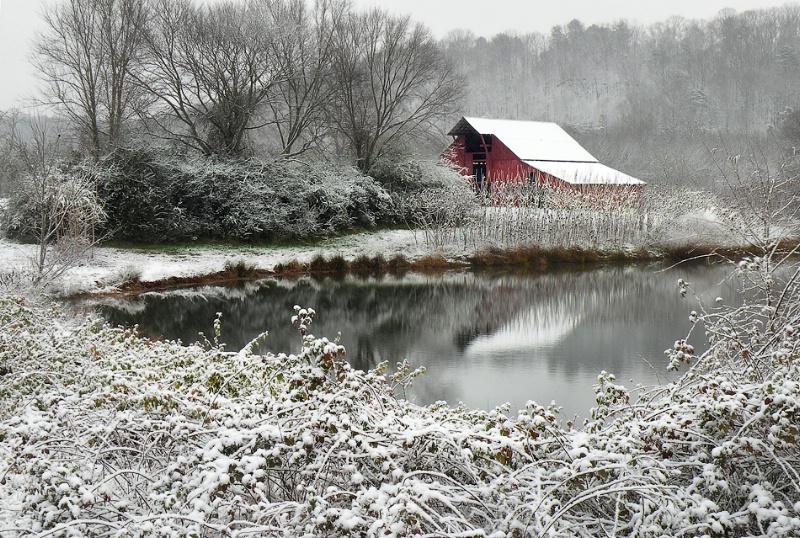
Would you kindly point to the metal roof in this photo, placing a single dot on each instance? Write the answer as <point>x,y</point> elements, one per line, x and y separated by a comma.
<point>528,140</point>
<point>546,147</point>
<point>584,173</point>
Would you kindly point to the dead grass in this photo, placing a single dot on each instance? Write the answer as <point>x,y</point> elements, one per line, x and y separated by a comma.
<point>434,262</point>
<point>368,266</point>
<point>240,269</point>
<point>398,265</point>
<point>290,268</point>
<point>320,265</point>
<point>534,257</point>
<point>175,282</point>
<point>528,258</point>
<point>691,252</point>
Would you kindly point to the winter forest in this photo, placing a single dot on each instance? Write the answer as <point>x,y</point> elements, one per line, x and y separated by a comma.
<point>734,73</point>
<point>175,143</point>
<point>651,100</point>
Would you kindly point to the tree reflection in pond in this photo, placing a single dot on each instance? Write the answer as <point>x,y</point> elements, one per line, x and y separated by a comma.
<point>485,338</point>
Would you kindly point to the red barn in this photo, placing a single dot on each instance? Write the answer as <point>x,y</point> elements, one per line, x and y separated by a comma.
<point>540,153</point>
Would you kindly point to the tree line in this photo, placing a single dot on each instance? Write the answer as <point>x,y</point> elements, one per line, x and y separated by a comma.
<point>230,78</point>
<point>285,77</point>
<point>736,72</point>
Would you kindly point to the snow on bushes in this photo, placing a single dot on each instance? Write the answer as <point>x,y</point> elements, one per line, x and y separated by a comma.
<point>152,197</point>
<point>106,433</point>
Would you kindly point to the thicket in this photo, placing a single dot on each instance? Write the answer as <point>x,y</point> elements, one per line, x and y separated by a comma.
<point>427,193</point>
<point>105,433</point>
<point>150,196</point>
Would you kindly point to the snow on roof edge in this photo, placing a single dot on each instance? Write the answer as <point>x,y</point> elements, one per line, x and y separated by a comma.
<point>580,173</point>
<point>533,140</point>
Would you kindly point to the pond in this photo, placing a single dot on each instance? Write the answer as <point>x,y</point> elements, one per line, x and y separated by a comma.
<point>484,338</point>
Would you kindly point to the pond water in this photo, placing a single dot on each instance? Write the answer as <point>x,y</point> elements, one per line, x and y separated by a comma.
<point>484,338</point>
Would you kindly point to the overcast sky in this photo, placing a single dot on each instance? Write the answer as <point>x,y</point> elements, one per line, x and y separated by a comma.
<point>19,21</point>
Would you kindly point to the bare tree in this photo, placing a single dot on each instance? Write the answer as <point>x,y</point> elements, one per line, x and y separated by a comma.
<point>303,50</point>
<point>124,23</point>
<point>760,188</point>
<point>390,83</point>
<point>9,166</point>
<point>85,57</point>
<point>210,67</point>
<point>58,210</point>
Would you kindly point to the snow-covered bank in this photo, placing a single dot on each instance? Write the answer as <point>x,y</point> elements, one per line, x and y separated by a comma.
<point>504,236</point>
<point>108,434</point>
<point>109,266</point>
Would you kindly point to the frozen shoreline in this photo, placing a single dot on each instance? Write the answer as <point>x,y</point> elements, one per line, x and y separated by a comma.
<point>107,266</point>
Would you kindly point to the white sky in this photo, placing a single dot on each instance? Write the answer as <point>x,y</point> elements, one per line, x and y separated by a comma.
<point>19,21</point>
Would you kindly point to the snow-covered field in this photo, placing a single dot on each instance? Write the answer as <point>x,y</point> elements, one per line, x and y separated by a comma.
<point>107,266</point>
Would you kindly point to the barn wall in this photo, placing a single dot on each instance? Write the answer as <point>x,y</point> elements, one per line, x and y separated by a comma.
<point>503,166</point>
<point>501,163</point>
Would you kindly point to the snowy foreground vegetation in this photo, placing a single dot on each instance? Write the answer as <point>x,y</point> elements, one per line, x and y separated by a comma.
<point>106,433</point>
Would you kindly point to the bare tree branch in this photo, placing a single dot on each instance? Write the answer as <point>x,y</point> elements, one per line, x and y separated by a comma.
<point>85,57</point>
<point>210,67</point>
<point>391,82</point>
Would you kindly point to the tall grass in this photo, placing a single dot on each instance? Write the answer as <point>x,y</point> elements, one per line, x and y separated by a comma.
<point>519,216</point>
<point>587,228</point>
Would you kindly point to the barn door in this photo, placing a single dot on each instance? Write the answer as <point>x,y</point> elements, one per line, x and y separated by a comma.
<point>479,173</point>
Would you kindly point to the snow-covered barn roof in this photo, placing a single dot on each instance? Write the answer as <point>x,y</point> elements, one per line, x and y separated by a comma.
<point>584,173</point>
<point>528,140</point>
<point>546,147</point>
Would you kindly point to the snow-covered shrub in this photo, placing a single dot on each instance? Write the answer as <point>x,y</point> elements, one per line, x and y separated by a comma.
<point>413,175</point>
<point>60,212</point>
<point>440,212</point>
<point>116,435</point>
<point>135,189</point>
<point>105,433</point>
<point>432,196</point>
<point>344,198</point>
<point>414,183</point>
<point>681,218</point>
<point>761,196</point>
<point>155,197</point>
<point>64,201</point>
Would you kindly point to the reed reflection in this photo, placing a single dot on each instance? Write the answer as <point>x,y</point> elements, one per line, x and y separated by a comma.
<point>485,339</point>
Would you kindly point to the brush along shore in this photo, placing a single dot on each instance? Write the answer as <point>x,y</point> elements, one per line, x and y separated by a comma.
<point>106,433</point>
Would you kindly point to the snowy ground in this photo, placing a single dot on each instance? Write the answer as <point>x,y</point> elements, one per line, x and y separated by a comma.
<point>108,267</point>
<point>105,269</point>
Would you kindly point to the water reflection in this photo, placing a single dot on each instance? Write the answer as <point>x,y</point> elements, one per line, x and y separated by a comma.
<point>485,339</point>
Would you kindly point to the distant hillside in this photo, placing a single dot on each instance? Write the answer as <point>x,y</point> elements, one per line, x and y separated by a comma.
<point>737,72</point>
